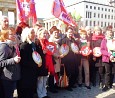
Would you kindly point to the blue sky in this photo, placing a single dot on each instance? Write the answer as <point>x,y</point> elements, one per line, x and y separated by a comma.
<point>43,7</point>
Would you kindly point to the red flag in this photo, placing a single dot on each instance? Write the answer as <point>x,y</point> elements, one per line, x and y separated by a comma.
<point>25,10</point>
<point>59,11</point>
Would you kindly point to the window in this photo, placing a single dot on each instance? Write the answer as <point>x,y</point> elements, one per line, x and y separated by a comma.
<point>112,17</point>
<point>86,23</point>
<point>98,8</point>
<point>101,15</point>
<point>98,15</point>
<point>90,15</point>
<point>108,16</point>
<point>111,10</point>
<point>90,7</point>
<point>90,23</point>
<point>94,14</point>
<point>98,23</point>
<point>105,16</point>
<point>102,9</point>
<point>94,8</point>
<point>101,24</point>
<point>86,6</point>
<point>105,9</point>
<point>105,24</point>
<point>108,10</point>
<point>93,23</point>
<point>86,14</point>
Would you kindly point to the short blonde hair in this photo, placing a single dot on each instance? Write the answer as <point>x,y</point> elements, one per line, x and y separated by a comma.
<point>40,31</point>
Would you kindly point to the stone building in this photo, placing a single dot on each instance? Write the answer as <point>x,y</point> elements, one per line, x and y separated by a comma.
<point>8,8</point>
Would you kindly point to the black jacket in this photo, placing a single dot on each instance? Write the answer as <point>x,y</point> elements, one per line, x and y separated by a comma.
<point>29,69</point>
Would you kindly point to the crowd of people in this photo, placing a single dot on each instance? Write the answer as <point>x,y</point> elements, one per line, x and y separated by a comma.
<point>20,69</point>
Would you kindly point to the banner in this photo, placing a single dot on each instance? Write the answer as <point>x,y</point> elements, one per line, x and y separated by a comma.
<point>59,11</point>
<point>26,10</point>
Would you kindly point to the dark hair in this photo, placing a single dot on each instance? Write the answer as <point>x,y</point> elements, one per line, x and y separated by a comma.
<point>54,28</point>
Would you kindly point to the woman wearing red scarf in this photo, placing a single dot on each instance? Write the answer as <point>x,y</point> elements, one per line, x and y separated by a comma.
<point>97,65</point>
<point>48,57</point>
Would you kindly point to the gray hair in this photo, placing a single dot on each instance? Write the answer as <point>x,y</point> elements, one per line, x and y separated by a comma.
<point>26,31</point>
<point>4,17</point>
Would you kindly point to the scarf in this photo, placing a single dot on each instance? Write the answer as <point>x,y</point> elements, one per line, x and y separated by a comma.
<point>48,58</point>
<point>96,37</point>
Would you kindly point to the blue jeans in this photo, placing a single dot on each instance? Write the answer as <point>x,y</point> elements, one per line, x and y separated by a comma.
<point>9,87</point>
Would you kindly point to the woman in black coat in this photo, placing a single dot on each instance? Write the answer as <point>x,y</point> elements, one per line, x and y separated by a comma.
<point>29,69</point>
<point>71,61</point>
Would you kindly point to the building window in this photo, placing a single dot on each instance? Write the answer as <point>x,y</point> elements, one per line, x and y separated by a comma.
<point>111,24</point>
<point>94,14</point>
<point>101,15</point>
<point>102,9</point>
<point>105,9</point>
<point>108,23</point>
<point>90,7</point>
<point>86,23</point>
<point>108,10</point>
<point>90,14</point>
<point>98,23</point>
<point>105,16</point>
<point>86,14</point>
<point>98,8</point>
<point>94,8</point>
<point>101,24</point>
<point>93,23</point>
<point>112,17</point>
<point>90,23</point>
<point>108,16</point>
<point>98,15</point>
<point>105,24</point>
<point>86,6</point>
<point>112,10</point>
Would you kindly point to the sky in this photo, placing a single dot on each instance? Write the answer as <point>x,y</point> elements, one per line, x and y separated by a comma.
<point>43,7</point>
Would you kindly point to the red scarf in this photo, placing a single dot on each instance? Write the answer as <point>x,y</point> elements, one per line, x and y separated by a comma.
<point>48,58</point>
<point>96,37</point>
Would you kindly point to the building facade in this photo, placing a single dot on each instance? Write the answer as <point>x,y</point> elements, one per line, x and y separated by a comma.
<point>8,8</point>
<point>93,12</point>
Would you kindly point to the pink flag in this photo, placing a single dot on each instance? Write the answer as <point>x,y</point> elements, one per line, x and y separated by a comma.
<point>25,10</point>
<point>59,11</point>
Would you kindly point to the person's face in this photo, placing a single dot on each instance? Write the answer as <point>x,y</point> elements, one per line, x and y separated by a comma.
<point>88,31</point>
<point>83,36</point>
<point>70,33</point>
<point>32,35</point>
<point>44,35</point>
<point>5,23</point>
<point>56,34</point>
<point>97,32</point>
<point>12,36</point>
<point>109,33</point>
